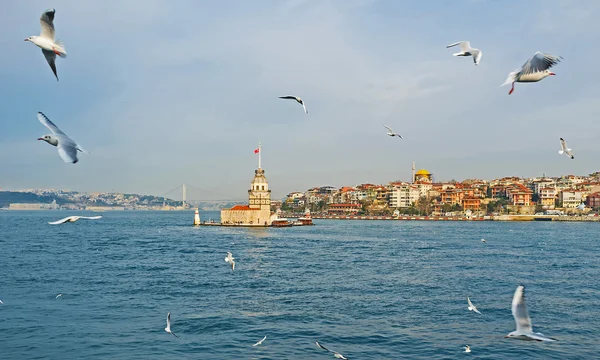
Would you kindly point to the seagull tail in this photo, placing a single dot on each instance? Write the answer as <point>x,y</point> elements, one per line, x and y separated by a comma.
<point>511,78</point>
<point>62,51</point>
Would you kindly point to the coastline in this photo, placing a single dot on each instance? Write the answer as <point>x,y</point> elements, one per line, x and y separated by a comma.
<point>464,218</point>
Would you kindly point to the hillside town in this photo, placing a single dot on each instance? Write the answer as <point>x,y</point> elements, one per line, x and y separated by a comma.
<point>569,194</point>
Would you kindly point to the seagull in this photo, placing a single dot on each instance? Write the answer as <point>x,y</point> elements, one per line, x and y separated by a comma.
<point>50,47</point>
<point>168,328</point>
<point>335,354</point>
<point>467,50</point>
<point>534,70</point>
<point>391,132</point>
<point>300,101</point>
<point>67,148</point>
<point>73,219</point>
<point>1,303</point>
<point>467,349</point>
<point>59,295</point>
<point>260,342</point>
<point>524,329</point>
<point>472,307</point>
<point>230,259</point>
<point>564,149</point>
<point>482,240</point>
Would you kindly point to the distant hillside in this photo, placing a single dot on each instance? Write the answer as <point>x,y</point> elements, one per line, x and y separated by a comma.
<point>7,197</point>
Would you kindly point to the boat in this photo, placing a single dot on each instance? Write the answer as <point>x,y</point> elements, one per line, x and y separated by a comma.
<point>282,222</point>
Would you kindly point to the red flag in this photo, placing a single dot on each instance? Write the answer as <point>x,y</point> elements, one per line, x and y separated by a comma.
<point>256,151</point>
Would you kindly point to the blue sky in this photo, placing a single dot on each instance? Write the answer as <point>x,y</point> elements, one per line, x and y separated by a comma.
<point>182,91</point>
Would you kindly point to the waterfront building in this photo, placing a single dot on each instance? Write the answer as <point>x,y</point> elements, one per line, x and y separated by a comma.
<point>403,195</point>
<point>547,196</point>
<point>593,200</point>
<point>344,208</point>
<point>571,198</point>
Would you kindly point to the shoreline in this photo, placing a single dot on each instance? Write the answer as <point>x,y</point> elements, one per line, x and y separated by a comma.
<point>463,218</point>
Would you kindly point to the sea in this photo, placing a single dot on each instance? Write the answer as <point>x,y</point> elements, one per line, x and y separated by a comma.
<point>366,289</point>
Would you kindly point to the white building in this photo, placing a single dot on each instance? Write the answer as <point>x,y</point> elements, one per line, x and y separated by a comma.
<point>571,198</point>
<point>404,195</point>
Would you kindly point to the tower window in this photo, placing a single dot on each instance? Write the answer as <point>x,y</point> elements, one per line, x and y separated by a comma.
<point>263,187</point>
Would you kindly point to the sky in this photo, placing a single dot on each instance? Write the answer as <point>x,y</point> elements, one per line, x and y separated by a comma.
<point>182,92</point>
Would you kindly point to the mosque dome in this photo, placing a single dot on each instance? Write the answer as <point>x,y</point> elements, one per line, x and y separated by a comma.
<point>423,172</point>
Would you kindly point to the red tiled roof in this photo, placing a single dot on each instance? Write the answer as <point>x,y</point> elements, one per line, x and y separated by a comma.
<point>242,207</point>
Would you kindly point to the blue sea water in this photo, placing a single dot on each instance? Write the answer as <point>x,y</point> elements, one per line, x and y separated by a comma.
<point>368,289</point>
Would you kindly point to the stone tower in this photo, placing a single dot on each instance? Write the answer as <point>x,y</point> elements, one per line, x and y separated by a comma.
<point>259,195</point>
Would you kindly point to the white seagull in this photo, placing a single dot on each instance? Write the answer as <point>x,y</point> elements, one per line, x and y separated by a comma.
<point>230,259</point>
<point>59,295</point>
<point>472,307</point>
<point>67,148</point>
<point>467,349</point>
<point>482,240</point>
<point>467,50</point>
<point>564,149</point>
<point>335,353</point>
<point>524,329</point>
<point>73,219</point>
<point>168,328</point>
<point>260,342</point>
<point>50,47</point>
<point>391,132</point>
<point>534,70</point>
<point>300,101</point>
<point>1,303</point>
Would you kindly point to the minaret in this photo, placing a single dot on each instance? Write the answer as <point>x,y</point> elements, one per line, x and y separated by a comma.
<point>413,172</point>
<point>183,197</point>
<point>259,153</point>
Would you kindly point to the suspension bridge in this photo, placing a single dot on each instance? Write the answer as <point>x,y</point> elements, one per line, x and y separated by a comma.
<point>199,192</point>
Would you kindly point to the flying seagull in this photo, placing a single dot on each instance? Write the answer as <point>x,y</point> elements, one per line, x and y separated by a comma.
<point>73,219</point>
<point>300,101</point>
<point>472,307</point>
<point>1,303</point>
<point>467,349</point>
<point>168,328</point>
<point>564,149</point>
<point>260,342</point>
<point>50,47</point>
<point>534,70</point>
<point>336,354</point>
<point>230,259</point>
<point>467,50</point>
<point>67,148</point>
<point>391,132</point>
<point>59,295</point>
<point>482,240</point>
<point>524,329</point>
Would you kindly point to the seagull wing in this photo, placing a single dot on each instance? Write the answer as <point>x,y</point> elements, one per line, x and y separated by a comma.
<point>169,321</point>
<point>519,311</point>
<point>464,45</point>
<point>540,62</point>
<point>387,127</point>
<point>477,56</point>
<point>323,347</point>
<point>51,59</point>
<point>289,97</point>
<point>91,217</point>
<point>47,22</point>
<point>563,144</point>
<point>61,221</point>
<point>304,106</point>
<point>470,303</point>
<point>49,124</point>
<point>67,152</point>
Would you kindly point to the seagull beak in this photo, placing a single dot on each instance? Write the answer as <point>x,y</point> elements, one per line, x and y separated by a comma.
<point>26,39</point>
<point>40,139</point>
<point>551,73</point>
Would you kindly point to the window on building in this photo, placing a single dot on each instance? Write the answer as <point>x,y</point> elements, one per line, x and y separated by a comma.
<point>263,187</point>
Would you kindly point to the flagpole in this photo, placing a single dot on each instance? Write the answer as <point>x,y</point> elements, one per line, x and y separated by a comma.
<point>259,154</point>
